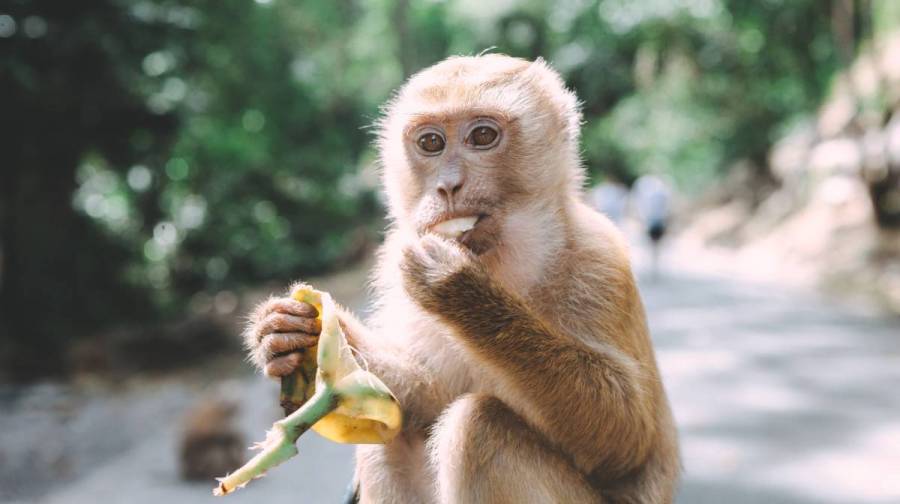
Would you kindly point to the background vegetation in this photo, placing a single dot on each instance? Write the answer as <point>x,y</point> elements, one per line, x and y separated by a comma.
<point>160,154</point>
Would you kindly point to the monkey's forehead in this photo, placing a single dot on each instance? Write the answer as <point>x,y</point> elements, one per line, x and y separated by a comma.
<point>493,84</point>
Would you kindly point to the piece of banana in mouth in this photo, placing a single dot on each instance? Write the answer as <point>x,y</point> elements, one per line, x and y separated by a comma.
<point>454,228</point>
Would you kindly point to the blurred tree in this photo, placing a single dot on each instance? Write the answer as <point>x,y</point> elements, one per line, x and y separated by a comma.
<point>161,149</point>
<point>264,181</point>
<point>67,86</point>
<point>716,82</point>
<point>163,152</point>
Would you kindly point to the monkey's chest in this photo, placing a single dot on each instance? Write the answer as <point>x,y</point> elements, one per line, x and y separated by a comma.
<point>450,366</point>
<point>449,369</point>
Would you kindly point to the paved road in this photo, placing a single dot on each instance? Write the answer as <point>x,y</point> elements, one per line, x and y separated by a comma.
<point>147,473</point>
<point>780,398</point>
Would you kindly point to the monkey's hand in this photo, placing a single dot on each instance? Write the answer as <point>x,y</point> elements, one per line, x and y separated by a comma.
<point>437,273</point>
<point>278,333</point>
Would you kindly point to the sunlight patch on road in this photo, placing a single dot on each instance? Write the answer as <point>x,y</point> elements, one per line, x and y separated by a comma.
<point>868,471</point>
<point>717,458</point>
<point>686,364</point>
<point>769,397</point>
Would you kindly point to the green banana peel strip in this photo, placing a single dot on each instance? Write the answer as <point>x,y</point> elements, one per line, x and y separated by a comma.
<point>346,403</point>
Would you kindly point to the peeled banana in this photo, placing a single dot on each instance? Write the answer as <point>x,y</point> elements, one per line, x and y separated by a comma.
<point>345,403</point>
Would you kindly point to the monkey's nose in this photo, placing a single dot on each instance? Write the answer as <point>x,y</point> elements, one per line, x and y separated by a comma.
<point>450,182</point>
<point>448,191</point>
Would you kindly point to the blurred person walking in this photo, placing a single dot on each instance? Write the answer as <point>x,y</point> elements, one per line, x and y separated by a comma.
<point>652,198</point>
<point>610,197</point>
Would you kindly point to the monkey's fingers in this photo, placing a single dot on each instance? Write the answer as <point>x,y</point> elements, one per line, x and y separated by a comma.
<point>276,344</point>
<point>283,323</point>
<point>284,365</point>
<point>291,307</point>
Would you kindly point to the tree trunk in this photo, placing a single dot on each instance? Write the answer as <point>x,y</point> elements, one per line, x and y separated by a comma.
<point>39,280</point>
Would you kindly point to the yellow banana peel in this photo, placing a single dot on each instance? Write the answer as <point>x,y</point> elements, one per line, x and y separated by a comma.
<point>345,403</point>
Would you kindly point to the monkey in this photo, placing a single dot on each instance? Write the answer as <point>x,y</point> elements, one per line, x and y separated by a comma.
<point>506,318</point>
<point>211,445</point>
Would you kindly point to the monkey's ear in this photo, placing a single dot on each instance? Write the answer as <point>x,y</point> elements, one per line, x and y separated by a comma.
<point>561,98</point>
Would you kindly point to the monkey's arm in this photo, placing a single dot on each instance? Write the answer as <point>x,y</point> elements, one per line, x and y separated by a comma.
<point>587,401</point>
<point>279,328</point>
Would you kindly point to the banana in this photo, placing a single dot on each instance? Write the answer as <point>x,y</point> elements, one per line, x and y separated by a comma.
<point>453,228</point>
<point>345,403</point>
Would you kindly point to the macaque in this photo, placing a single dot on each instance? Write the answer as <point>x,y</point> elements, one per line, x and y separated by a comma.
<point>211,444</point>
<point>507,318</point>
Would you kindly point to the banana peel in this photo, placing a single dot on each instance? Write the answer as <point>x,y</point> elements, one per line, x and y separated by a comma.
<point>345,403</point>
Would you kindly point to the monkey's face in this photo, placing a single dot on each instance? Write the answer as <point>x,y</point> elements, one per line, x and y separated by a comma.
<point>460,174</point>
<point>472,145</point>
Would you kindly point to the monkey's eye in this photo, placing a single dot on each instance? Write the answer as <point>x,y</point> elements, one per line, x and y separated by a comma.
<point>431,143</point>
<point>482,136</point>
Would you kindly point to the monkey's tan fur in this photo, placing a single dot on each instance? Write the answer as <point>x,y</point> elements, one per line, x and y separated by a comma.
<point>522,360</point>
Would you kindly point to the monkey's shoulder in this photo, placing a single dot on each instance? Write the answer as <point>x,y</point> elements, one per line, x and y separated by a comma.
<point>591,290</point>
<point>595,233</point>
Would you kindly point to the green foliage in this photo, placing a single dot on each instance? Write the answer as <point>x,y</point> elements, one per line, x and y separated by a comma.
<point>264,180</point>
<point>713,82</point>
<point>184,147</point>
<point>67,74</point>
